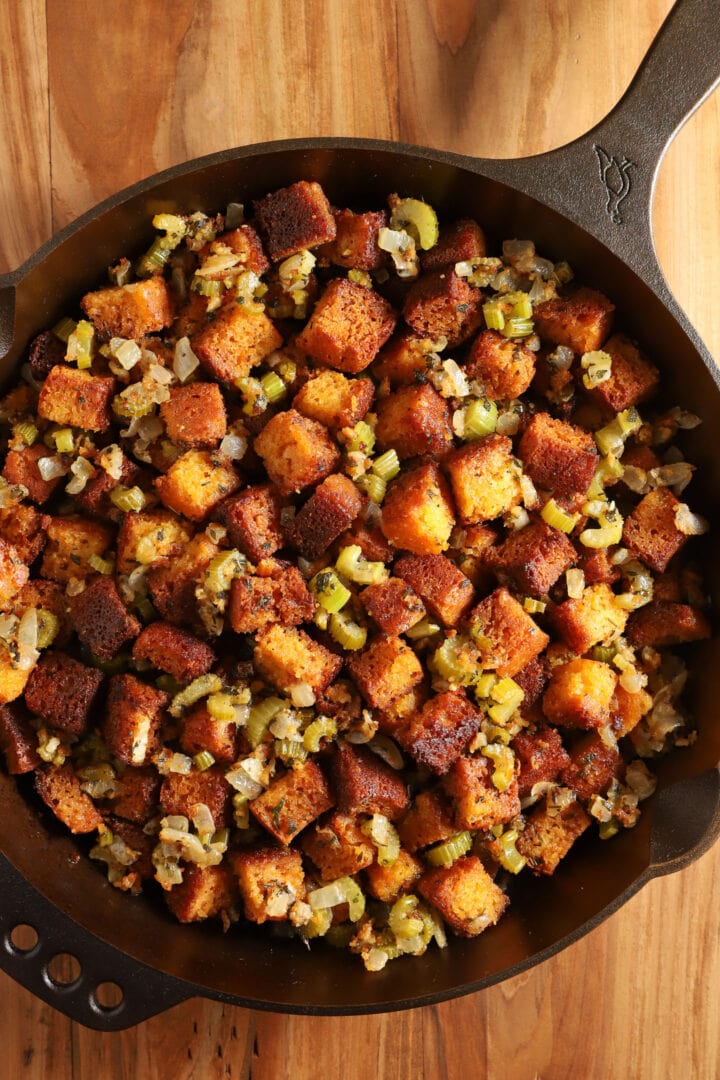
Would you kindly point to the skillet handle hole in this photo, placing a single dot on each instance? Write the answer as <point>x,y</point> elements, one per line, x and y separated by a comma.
<point>23,938</point>
<point>108,996</point>
<point>63,970</point>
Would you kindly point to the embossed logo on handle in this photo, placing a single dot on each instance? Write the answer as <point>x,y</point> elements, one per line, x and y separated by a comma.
<point>615,178</point>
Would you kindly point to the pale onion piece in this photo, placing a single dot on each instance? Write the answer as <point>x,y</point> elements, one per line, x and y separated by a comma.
<point>517,518</point>
<point>599,809</point>
<point>326,897</point>
<point>302,695</point>
<point>149,428</point>
<point>640,780</point>
<point>278,904</point>
<point>185,361</point>
<point>202,818</point>
<point>285,724</point>
<point>677,476</point>
<point>450,380</point>
<point>191,847</point>
<point>160,395</point>
<point>82,471</point>
<point>8,626</point>
<point>508,422</point>
<point>160,374</point>
<point>608,737</point>
<point>636,479</point>
<point>458,422</point>
<point>414,945</point>
<point>123,854</point>
<point>536,792</point>
<point>234,215</point>
<point>685,420</point>
<point>111,460</point>
<point>561,358</point>
<point>529,494</point>
<point>633,681</point>
<point>689,524</point>
<point>217,533</point>
<point>375,960</point>
<point>176,821</point>
<point>300,913</point>
<point>126,352</point>
<point>10,496</point>
<point>178,763</point>
<point>386,749</point>
<point>216,266</point>
<point>239,779</point>
<point>401,247</point>
<point>575,583</point>
<point>233,447</point>
<point>74,587</point>
<point>52,467</point>
<point>27,640</point>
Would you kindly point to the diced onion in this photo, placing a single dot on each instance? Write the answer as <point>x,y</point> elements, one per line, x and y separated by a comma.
<point>302,695</point>
<point>575,583</point>
<point>239,779</point>
<point>185,361</point>
<point>689,524</point>
<point>51,467</point>
<point>233,447</point>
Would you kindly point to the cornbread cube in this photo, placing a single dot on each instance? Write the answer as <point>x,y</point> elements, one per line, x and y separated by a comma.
<point>64,692</point>
<point>196,483</point>
<point>384,670</point>
<point>532,680</point>
<point>442,731</point>
<point>337,847</point>
<point>130,311</point>
<point>201,731</point>
<point>195,415</point>
<point>13,574</point>
<point>173,650</point>
<point>371,542</point>
<point>253,521</point>
<point>180,793</point>
<point>650,531</point>
<point>597,568</point>
<point>334,400</point>
<point>428,821</point>
<point>137,796</point>
<point>95,496</point>
<point>542,756</point>
<point>441,304</point>
<point>74,397</point>
<point>512,639</point>
<point>633,378</point>
<point>662,623</point>
<point>580,694</point>
<point>294,218</point>
<point>668,587</point>
<point>148,536</point>
<point>592,767</point>
<point>477,803</point>
<point>581,322</point>
<point>364,784</point>
<point>393,605</point>
<point>348,326</point>
<point>270,879</point>
<point>465,895</point>
<point>445,590</point>
<point>296,451</point>
<point>393,719</point>
<point>59,788</point>
<point>134,715</point>
<point>235,342</point>
<point>205,891</point>
<point>503,366</point>
<point>417,513</point>
<point>459,241</point>
<point>414,420</point>
<point>191,317</point>
<point>172,583</point>
<point>286,656</point>
<point>532,559</point>
<point>256,602</point>
<point>291,803</point>
<point>558,456</point>
<point>329,511</point>
<point>71,542</point>
<point>245,241</point>
<point>46,350</point>
<point>549,835</point>
<point>355,246</point>
<point>101,620</point>
<point>593,618</point>
<point>18,740</point>
<point>628,709</point>
<point>12,679</point>
<point>485,479</point>
<point>404,360</point>
<point>387,883</point>
<point>21,467</point>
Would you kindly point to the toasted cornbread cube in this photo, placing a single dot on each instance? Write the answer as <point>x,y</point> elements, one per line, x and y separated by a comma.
<point>337,847</point>
<point>257,602</point>
<point>196,483</point>
<point>18,740</point>
<point>371,542</point>
<point>597,568</point>
<point>235,342</point>
<point>633,378</point>
<point>582,321</point>
<point>271,880</point>
<point>580,694</point>
<point>12,679</point>
<point>465,895</point>
<point>404,360</point>
<point>591,619</point>
<point>549,835</point>
<point>364,784</point>
<point>393,719</point>
<point>393,605</point>
<point>69,396</point>
<point>294,218</point>
<point>441,304</point>
<point>130,311</point>
<point>64,692</point>
<point>592,767</point>
<point>485,479</point>
<point>532,680</point>
<point>286,656</point>
<point>650,531</point>
<point>417,512</point>
<point>387,883</point>
<point>384,670</point>
<point>512,639</point>
<point>253,521</point>
<point>95,496</point>
<point>441,732</point>
<point>180,793</point>
<point>503,366</point>
<point>13,574</point>
<point>296,451</point>
<point>244,241</point>
<point>134,715</point>
<point>137,795</point>
<point>355,246</point>
<point>445,590</point>
<point>292,802</point>
<point>59,788</point>
<point>459,241</point>
<point>661,623</point>
<point>532,559</point>
<point>163,533</point>
<point>101,620</point>
<point>477,803</point>
<point>195,416</point>
<point>348,326</point>
<point>201,731</point>
<point>173,650</point>
<point>541,758</point>
<point>558,456</point>
<point>334,400</point>
<point>46,350</point>
<point>21,467</point>
<point>414,420</point>
<point>172,583</point>
<point>628,709</point>
<point>72,540</point>
<point>205,891</point>
<point>191,317</point>
<point>329,511</point>
<point>428,821</point>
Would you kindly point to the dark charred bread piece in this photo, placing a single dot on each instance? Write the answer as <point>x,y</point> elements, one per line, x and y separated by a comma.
<point>459,241</point>
<point>651,532</point>
<point>581,322</point>
<point>393,605</point>
<point>532,559</point>
<point>59,788</point>
<point>364,784</point>
<point>445,590</point>
<point>180,793</point>
<point>18,740</point>
<point>442,305</point>
<point>294,218</point>
<point>134,714</point>
<point>137,795</point>
<point>355,246</point>
<point>558,456</point>
<point>592,767</point>
<point>64,692</point>
<point>542,756</point>
<point>46,350</point>
<point>175,651</point>
<point>661,623</point>
<point>442,731</point>
<point>101,620</point>
<point>330,510</point>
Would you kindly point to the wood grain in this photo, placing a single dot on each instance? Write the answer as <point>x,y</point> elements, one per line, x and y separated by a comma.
<point>98,95</point>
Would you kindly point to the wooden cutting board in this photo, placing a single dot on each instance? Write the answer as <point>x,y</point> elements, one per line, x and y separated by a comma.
<point>99,93</point>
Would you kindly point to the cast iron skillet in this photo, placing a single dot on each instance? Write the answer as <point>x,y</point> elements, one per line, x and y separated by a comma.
<point>588,202</point>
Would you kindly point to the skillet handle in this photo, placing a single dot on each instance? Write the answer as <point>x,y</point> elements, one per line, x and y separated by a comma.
<point>685,822</point>
<point>604,180</point>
